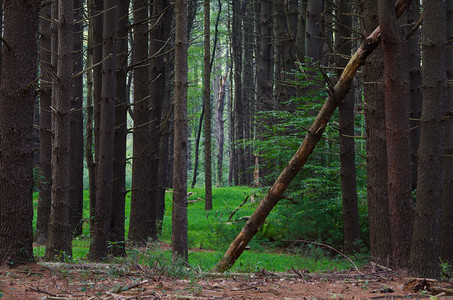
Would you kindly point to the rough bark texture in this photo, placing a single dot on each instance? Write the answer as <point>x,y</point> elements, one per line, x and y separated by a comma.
<point>45,133</point>
<point>376,144</point>
<point>166,114</point>
<point>158,39</point>
<point>446,245</point>
<point>59,231</point>
<point>415,85</point>
<point>220,127</point>
<point>425,250</point>
<point>98,21</point>
<point>118,247</point>
<point>275,193</point>
<point>179,214</point>
<point>207,106</point>
<point>351,225</point>
<point>16,131</point>
<point>76,150</point>
<point>104,176</point>
<point>397,132</point>
<point>239,157</point>
<point>248,87</point>
<point>314,30</point>
<point>139,230</point>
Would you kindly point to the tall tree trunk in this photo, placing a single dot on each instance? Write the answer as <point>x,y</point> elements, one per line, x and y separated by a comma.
<point>425,250</point>
<point>59,231</point>
<point>220,127</point>
<point>98,21</point>
<point>314,30</point>
<point>166,115</point>
<point>275,193</point>
<point>376,144</point>
<point>207,106</point>
<point>264,65</point>
<point>179,213</point>
<point>248,87</point>
<point>446,245</point>
<point>415,84</point>
<point>157,89</point>
<point>104,176</point>
<point>351,224</point>
<point>45,130</point>
<point>238,100</point>
<point>118,247</point>
<point>397,132</point>
<point>76,150</point>
<point>139,230</point>
<point>18,70</point>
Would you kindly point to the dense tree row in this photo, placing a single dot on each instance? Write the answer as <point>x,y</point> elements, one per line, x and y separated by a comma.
<point>118,87</point>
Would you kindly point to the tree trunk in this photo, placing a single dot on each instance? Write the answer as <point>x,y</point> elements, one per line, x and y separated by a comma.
<point>104,176</point>
<point>275,193</point>
<point>238,100</point>
<point>376,144</point>
<point>179,213</point>
<point>59,231</point>
<point>98,38</point>
<point>166,115</point>
<point>248,87</point>
<point>139,230</point>
<point>118,247</point>
<point>207,106</point>
<point>17,95</point>
<point>158,37</point>
<point>76,149</point>
<point>446,245</point>
<point>45,130</point>
<point>425,250</point>
<point>220,127</point>
<point>314,30</point>
<point>397,132</point>
<point>351,224</point>
<point>415,84</point>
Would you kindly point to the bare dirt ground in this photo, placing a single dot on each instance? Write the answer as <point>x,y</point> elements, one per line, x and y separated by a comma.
<point>96,281</point>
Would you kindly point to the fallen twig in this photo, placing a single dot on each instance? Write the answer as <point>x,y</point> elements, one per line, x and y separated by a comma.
<point>237,209</point>
<point>38,290</point>
<point>332,248</point>
<point>123,289</point>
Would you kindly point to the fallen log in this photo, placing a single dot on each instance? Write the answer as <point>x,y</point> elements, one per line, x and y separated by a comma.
<point>336,95</point>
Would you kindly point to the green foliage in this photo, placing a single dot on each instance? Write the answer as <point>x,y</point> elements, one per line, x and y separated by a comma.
<point>312,209</point>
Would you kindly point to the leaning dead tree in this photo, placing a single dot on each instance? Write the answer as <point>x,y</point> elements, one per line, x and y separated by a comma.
<point>275,193</point>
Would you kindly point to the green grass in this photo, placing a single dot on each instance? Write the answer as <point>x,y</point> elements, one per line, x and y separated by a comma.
<point>209,235</point>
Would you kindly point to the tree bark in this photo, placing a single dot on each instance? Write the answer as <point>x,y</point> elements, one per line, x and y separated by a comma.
<point>98,21</point>
<point>446,245</point>
<point>275,193</point>
<point>220,127</point>
<point>76,149</point>
<point>17,95</point>
<point>314,30</point>
<point>425,250</point>
<point>376,144</point>
<point>351,223</point>
<point>179,213</point>
<point>139,229</point>
<point>45,130</point>
<point>59,231</point>
<point>397,132</point>
<point>415,84</point>
<point>104,176</point>
<point>207,106</point>
<point>118,247</point>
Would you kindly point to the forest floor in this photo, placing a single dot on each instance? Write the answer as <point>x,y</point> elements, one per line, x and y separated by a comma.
<point>101,281</point>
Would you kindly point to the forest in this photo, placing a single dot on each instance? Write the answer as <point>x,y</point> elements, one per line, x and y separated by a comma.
<point>333,119</point>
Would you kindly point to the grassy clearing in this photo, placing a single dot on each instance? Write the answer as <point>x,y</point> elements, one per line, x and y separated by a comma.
<point>209,235</point>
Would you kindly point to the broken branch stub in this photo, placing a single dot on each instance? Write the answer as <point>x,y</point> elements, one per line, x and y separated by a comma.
<point>313,136</point>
